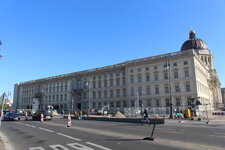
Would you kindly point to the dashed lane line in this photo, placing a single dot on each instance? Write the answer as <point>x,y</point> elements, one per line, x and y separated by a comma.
<point>46,129</point>
<point>70,137</point>
<point>30,125</point>
<point>19,123</point>
<point>170,131</point>
<point>219,136</point>
<point>99,146</point>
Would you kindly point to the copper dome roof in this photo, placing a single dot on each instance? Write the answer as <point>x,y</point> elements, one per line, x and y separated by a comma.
<point>194,43</point>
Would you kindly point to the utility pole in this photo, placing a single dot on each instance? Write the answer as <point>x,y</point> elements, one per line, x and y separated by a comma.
<point>89,105</point>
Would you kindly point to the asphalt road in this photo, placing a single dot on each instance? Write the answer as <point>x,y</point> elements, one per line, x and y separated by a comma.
<point>98,135</point>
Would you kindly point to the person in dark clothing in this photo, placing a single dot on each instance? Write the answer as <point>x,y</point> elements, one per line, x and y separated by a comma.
<point>145,114</point>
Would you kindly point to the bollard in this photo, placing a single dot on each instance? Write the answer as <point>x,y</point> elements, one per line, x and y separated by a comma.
<point>42,117</point>
<point>26,115</point>
<point>69,120</point>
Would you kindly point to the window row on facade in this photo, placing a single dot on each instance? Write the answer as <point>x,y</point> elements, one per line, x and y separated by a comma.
<point>177,102</point>
<point>156,67</point>
<point>156,76</point>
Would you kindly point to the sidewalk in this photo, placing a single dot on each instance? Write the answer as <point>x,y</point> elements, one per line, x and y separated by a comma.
<point>4,144</point>
<point>211,123</point>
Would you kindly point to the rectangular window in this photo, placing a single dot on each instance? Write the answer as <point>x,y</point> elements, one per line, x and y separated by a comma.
<point>185,62</point>
<point>94,84</point>
<point>174,64</point>
<point>124,81</point>
<point>188,89</point>
<point>165,75</point>
<point>61,88</point>
<point>132,91</point>
<point>156,90</point>
<point>131,79</point>
<point>61,97</point>
<point>167,102</point>
<point>166,89</point>
<point>148,90</point>
<point>111,82</point>
<point>177,101</point>
<point>175,73</point>
<point>124,104</point>
<point>117,92</point>
<point>111,93</point>
<point>118,104</point>
<point>189,102</point>
<point>94,95</point>
<point>99,94</point>
<point>131,70</point>
<point>99,105</point>
<point>139,78</point>
<point>65,87</point>
<point>140,90</point>
<point>124,92</point>
<point>65,97</point>
<point>147,68</point>
<point>99,83</point>
<point>105,83</point>
<point>105,94</point>
<point>111,104</point>
<point>157,103</point>
<point>147,77</point>
<point>156,76</point>
<point>117,81</point>
<point>186,72</point>
<point>155,67</point>
<point>177,88</point>
<point>132,103</point>
<point>94,105</point>
<point>149,102</point>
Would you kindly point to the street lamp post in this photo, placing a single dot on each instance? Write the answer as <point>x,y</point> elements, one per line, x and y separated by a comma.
<point>89,105</point>
<point>171,104</point>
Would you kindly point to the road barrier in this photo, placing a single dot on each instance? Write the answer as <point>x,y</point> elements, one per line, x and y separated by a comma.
<point>126,120</point>
<point>42,117</point>
<point>218,113</point>
<point>69,120</point>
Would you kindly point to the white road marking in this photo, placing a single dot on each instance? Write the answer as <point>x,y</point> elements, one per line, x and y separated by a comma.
<point>30,125</point>
<point>58,147</point>
<point>99,146</point>
<point>18,122</point>
<point>70,137</point>
<point>78,146</point>
<point>36,148</point>
<point>46,129</point>
<point>220,133</point>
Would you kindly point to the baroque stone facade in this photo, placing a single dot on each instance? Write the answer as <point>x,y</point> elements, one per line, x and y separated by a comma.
<point>146,82</point>
<point>223,95</point>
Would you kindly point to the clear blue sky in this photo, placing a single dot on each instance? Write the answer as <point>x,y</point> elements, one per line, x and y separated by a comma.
<point>43,38</point>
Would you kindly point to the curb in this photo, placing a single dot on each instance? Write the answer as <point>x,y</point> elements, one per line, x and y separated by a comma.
<point>4,144</point>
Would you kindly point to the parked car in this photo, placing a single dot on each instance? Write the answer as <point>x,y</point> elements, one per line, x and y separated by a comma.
<point>11,116</point>
<point>37,115</point>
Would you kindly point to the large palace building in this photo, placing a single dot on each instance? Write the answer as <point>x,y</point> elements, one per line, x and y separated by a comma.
<point>173,79</point>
